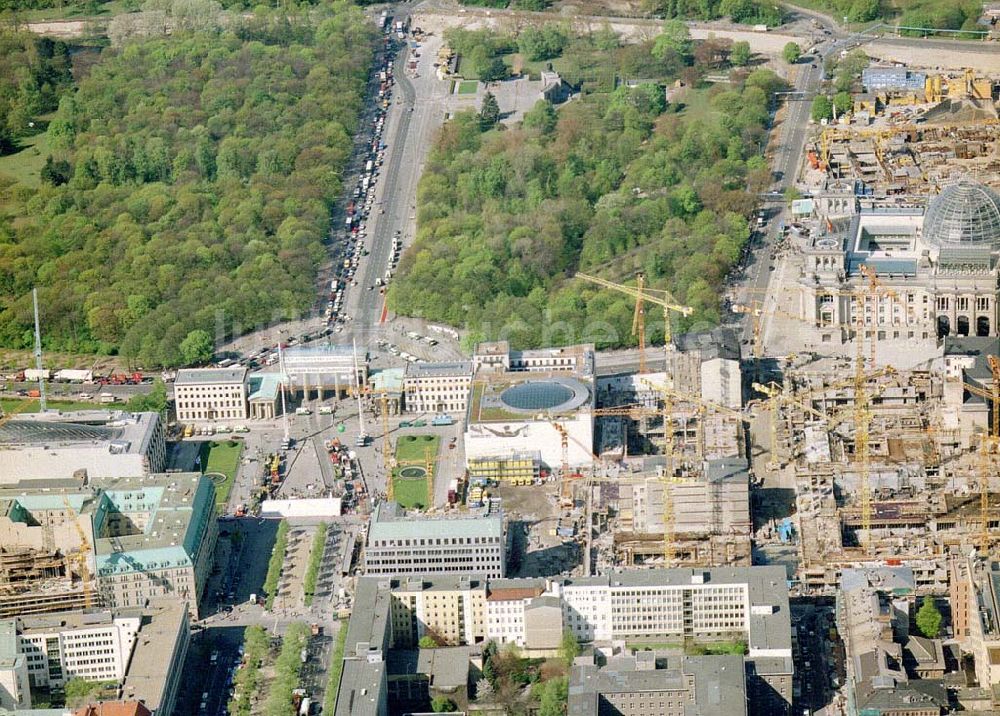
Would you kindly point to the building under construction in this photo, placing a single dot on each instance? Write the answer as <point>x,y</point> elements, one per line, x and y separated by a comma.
<point>36,582</point>
<point>909,160</point>
<point>679,497</point>
<point>710,520</point>
<point>916,492</point>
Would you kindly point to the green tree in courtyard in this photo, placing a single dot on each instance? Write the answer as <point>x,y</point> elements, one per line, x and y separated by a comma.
<point>929,618</point>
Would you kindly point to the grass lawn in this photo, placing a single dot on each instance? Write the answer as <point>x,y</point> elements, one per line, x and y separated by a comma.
<point>9,404</point>
<point>697,106</point>
<point>468,86</point>
<point>413,450</point>
<point>221,457</point>
<point>410,494</point>
<point>23,166</point>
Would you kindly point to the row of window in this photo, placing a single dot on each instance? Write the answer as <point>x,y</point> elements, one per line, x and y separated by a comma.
<point>209,414</point>
<point>432,541</point>
<point>218,404</point>
<point>209,391</point>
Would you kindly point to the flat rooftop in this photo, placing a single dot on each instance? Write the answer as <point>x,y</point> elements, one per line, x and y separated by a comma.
<point>448,369</point>
<point>211,376</point>
<point>719,683</point>
<point>60,621</point>
<point>117,430</point>
<point>389,523</point>
<point>153,657</point>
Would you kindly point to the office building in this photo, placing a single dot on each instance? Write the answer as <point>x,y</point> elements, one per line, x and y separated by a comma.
<point>94,646</point>
<point>399,544</point>
<point>143,650</point>
<point>205,394</point>
<point>154,676</point>
<point>80,445</point>
<point>117,542</point>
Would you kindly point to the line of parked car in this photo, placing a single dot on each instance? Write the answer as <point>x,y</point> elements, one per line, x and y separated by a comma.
<point>359,209</point>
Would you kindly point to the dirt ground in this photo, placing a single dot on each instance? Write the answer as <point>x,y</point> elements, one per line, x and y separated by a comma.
<point>535,549</point>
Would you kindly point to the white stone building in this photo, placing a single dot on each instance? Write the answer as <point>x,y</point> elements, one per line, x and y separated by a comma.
<point>437,387</point>
<point>70,645</point>
<point>204,394</point>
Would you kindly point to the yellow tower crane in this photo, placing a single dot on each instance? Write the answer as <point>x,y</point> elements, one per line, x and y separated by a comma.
<point>81,553</point>
<point>776,396</point>
<point>986,452</point>
<point>565,499</point>
<point>639,321</point>
<point>862,425</point>
<point>642,295</point>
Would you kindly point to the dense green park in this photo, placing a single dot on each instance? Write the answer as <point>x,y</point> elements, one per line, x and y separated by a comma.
<point>190,184</point>
<point>616,181</point>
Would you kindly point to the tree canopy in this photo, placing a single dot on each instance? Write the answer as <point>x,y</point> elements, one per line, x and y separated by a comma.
<point>620,183</point>
<point>34,73</point>
<point>929,618</point>
<point>204,167</point>
<point>791,52</point>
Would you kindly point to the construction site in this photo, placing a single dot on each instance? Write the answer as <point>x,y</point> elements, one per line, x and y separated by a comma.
<point>909,134</point>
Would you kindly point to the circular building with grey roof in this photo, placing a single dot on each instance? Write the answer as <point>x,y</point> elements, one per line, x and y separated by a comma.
<point>963,215</point>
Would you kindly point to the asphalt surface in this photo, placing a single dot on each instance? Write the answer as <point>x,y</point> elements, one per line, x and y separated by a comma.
<point>394,196</point>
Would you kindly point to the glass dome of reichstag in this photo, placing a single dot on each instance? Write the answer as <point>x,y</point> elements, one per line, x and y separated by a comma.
<point>963,215</point>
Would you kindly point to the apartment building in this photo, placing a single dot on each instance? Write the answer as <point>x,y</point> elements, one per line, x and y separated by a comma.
<point>437,387</point>
<point>748,605</point>
<point>73,645</point>
<point>203,394</point>
<point>399,545</point>
<point>449,609</point>
<point>507,600</point>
